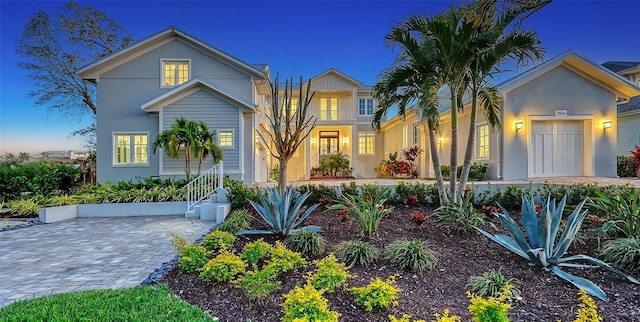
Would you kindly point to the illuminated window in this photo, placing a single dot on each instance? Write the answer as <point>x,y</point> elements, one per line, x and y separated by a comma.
<point>294,105</point>
<point>483,141</point>
<point>365,106</point>
<point>174,73</point>
<point>225,139</point>
<point>329,109</point>
<point>365,143</point>
<point>131,149</point>
<point>416,134</point>
<point>405,137</point>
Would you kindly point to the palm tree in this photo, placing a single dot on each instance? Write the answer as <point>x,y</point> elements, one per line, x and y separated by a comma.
<point>206,144</point>
<point>181,136</point>
<point>414,78</point>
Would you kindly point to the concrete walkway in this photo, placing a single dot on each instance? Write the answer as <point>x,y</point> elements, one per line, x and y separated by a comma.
<point>87,253</point>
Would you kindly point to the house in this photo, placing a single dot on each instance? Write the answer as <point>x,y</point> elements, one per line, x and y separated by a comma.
<point>558,119</point>
<point>145,87</point>
<point>628,110</point>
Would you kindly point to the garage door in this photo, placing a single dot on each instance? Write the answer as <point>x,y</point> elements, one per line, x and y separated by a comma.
<point>556,149</point>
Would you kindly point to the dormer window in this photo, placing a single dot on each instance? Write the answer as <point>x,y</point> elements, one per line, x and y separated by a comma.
<point>174,72</point>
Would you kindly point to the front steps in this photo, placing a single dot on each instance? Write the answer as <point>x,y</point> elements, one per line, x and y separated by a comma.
<point>216,207</point>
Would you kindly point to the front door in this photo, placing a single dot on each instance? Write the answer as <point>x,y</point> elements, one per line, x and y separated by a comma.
<point>329,142</point>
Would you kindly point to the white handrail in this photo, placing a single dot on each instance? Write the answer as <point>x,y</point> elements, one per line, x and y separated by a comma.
<point>204,185</point>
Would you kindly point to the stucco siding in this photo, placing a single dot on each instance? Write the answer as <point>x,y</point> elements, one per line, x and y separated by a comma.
<point>628,129</point>
<point>218,114</point>
<point>538,100</point>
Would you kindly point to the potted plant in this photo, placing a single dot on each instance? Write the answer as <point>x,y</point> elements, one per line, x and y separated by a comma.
<point>635,158</point>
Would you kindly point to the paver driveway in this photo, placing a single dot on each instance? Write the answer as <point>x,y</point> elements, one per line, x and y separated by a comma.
<point>87,253</point>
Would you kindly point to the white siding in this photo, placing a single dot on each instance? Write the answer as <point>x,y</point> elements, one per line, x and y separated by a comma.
<point>332,82</point>
<point>628,133</point>
<point>218,114</point>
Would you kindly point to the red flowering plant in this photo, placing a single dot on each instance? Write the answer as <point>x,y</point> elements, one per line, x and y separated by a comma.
<point>418,218</point>
<point>635,157</point>
<point>411,200</point>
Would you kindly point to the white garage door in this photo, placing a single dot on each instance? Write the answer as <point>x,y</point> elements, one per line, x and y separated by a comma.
<point>556,149</point>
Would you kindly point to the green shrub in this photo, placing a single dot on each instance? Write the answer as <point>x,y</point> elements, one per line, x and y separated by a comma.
<point>307,304</point>
<point>334,164</point>
<point>12,183</point>
<point>24,207</point>
<point>317,193</point>
<point>626,167</point>
<point>307,243</point>
<point>420,191</point>
<point>623,253</point>
<point>218,239</point>
<point>282,260</point>
<point>192,258</point>
<point>255,251</point>
<point>368,210</point>
<point>239,195</point>
<point>329,275</point>
<point>477,171</point>
<point>491,309</point>
<point>258,284</point>
<point>375,190</point>
<point>54,177</point>
<point>411,255</point>
<point>223,267</point>
<point>511,198</point>
<point>554,191</point>
<point>356,252</point>
<point>622,211</point>
<point>491,283</point>
<point>63,200</point>
<point>348,189</point>
<point>238,220</point>
<point>462,217</point>
<point>377,294</point>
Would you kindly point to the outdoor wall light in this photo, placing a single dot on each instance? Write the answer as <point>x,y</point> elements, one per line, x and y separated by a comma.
<point>519,124</point>
<point>345,141</point>
<point>439,141</point>
<point>606,124</point>
<point>313,141</point>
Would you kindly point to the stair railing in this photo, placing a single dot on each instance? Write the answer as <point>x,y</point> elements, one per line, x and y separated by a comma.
<point>204,185</point>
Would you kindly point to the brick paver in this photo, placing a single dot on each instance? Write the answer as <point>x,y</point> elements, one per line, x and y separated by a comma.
<point>87,254</point>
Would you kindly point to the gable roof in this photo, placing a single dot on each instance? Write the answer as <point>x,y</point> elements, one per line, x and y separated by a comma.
<point>190,87</point>
<point>339,74</point>
<point>93,70</point>
<point>631,107</point>
<point>621,66</point>
<point>616,83</point>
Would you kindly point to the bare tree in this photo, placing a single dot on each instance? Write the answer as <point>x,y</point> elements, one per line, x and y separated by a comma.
<point>53,49</point>
<point>289,124</point>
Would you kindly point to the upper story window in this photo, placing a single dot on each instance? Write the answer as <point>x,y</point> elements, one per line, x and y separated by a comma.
<point>483,141</point>
<point>405,136</point>
<point>365,106</point>
<point>416,134</point>
<point>130,149</point>
<point>328,108</point>
<point>225,139</point>
<point>174,72</point>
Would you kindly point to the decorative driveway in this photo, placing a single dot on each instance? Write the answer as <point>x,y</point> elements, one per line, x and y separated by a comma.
<point>88,253</point>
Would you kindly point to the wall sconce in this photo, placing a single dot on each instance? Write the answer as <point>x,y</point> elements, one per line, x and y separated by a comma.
<point>606,124</point>
<point>313,141</point>
<point>519,125</point>
<point>345,141</point>
<point>439,141</point>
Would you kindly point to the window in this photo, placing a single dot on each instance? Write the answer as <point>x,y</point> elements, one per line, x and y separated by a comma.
<point>365,106</point>
<point>365,143</point>
<point>329,142</point>
<point>483,141</point>
<point>225,139</point>
<point>294,105</point>
<point>416,134</point>
<point>174,73</point>
<point>131,149</point>
<point>329,108</point>
<point>405,137</point>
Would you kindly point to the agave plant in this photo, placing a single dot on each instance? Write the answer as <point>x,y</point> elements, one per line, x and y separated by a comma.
<point>282,212</point>
<point>542,247</point>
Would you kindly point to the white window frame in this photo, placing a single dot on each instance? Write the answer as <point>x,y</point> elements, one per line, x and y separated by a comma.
<point>326,111</point>
<point>478,142</point>
<point>163,61</point>
<point>132,150</point>
<point>365,111</point>
<point>233,143</point>
<point>405,136</point>
<point>372,146</point>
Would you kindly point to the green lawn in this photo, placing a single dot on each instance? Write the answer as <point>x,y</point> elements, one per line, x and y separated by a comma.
<point>141,303</point>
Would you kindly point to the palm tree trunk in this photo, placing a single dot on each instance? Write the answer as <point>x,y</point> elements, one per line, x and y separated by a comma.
<point>200,157</point>
<point>453,161</point>
<point>435,159</point>
<point>468,155</point>
<point>282,176</point>
<point>187,160</point>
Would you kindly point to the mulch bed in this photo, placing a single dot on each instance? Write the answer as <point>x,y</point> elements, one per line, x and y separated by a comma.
<point>545,297</point>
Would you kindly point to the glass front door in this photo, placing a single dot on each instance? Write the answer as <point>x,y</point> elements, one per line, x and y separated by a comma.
<point>329,142</point>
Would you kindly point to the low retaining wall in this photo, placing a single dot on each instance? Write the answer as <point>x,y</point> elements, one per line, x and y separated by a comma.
<point>55,214</point>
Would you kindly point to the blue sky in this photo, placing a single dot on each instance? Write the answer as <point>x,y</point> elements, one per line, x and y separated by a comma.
<point>295,38</point>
